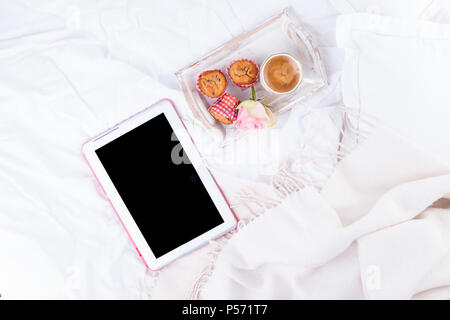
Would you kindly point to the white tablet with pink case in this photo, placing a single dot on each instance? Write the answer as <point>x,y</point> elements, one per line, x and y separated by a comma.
<point>157,183</point>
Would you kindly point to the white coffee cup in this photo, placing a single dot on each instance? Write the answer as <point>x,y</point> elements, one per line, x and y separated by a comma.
<point>262,73</point>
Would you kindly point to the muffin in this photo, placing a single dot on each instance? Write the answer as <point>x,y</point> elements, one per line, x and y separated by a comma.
<point>243,73</point>
<point>212,83</point>
<point>224,109</point>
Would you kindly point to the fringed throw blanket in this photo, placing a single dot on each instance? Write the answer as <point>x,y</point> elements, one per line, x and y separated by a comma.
<point>374,225</point>
<point>380,228</point>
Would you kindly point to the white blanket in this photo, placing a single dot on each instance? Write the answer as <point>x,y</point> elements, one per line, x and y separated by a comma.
<point>379,229</point>
<point>380,226</point>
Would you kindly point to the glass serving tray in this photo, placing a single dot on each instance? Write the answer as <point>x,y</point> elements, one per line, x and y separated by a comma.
<point>282,33</point>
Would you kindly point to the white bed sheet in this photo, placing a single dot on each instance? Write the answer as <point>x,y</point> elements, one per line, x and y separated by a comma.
<point>70,69</point>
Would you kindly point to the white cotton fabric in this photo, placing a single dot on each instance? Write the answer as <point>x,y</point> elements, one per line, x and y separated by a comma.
<point>71,69</point>
<point>377,230</point>
<point>397,69</point>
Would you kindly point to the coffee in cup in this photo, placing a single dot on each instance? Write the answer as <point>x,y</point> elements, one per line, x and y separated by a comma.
<point>281,73</point>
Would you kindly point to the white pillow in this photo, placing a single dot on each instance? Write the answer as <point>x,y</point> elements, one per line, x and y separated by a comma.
<point>399,71</point>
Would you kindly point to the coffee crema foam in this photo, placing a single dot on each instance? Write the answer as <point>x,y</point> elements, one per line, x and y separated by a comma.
<point>281,73</point>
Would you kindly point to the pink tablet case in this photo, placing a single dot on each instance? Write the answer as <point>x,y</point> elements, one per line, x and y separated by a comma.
<point>103,190</point>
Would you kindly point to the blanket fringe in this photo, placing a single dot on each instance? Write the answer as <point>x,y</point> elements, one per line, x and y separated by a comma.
<point>206,273</point>
<point>151,281</point>
<point>256,204</point>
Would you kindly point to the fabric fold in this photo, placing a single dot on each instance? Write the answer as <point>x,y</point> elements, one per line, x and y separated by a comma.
<point>393,227</point>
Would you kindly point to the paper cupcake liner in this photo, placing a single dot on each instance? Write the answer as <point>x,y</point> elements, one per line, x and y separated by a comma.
<point>249,85</point>
<point>225,106</point>
<point>224,90</point>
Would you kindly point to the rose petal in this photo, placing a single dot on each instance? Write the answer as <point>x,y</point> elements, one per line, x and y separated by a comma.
<point>259,111</point>
<point>272,119</point>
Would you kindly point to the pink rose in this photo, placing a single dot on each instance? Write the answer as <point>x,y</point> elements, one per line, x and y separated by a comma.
<point>252,114</point>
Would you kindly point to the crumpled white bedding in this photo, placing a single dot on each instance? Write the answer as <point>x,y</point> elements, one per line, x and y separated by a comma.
<point>70,69</point>
<point>379,229</point>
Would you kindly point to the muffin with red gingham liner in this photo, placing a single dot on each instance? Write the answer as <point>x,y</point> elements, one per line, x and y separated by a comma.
<point>224,109</point>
